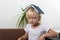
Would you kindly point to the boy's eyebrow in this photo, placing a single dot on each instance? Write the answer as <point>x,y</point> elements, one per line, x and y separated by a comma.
<point>37,9</point>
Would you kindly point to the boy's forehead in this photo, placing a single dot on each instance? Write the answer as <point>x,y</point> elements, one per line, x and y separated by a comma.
<point>31,13</point>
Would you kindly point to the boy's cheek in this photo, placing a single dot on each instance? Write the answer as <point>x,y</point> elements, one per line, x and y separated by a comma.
<point>35,21</point>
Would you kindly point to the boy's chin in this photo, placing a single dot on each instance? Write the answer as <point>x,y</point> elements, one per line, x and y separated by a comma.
<point>33,24</point>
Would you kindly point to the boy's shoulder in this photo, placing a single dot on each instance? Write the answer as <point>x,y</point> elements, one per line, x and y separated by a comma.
<point>28,25</point>
<point>45,26</point>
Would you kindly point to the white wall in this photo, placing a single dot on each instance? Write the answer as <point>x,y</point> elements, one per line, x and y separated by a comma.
<point>9,9</point>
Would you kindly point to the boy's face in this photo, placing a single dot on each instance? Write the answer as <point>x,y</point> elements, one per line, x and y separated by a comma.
<point>32,17</point>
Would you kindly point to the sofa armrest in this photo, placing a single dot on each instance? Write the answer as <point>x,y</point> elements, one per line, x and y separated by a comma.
<point>59,36</point>
<point>48,39</point>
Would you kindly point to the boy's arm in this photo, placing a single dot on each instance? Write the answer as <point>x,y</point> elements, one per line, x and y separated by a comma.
<point>25,36</point>
<point>50,34</point>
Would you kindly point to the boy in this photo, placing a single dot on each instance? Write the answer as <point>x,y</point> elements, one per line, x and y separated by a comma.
<point>35,30</point>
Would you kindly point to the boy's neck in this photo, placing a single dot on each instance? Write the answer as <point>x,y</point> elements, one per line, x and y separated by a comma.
<point>36,25</point>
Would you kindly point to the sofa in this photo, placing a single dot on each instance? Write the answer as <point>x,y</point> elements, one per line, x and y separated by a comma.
<point>12,34</point>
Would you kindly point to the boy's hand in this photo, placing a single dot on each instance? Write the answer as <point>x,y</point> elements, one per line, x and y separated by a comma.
<point>19,38</point>
<point>42,37</point>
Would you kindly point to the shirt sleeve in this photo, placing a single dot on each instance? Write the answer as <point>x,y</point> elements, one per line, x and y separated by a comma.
<point>47,28</point>
<point>27,28</point>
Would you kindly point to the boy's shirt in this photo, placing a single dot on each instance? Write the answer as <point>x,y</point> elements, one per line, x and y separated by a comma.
<point>33,34</point>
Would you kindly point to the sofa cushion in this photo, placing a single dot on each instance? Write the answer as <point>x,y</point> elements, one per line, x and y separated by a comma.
<point>11,34</point>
